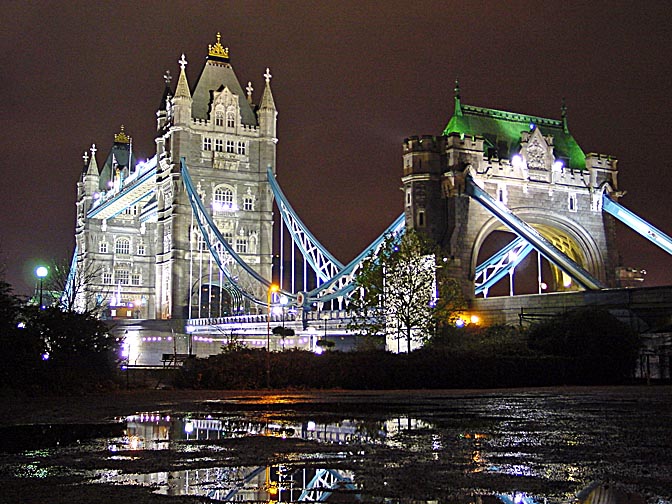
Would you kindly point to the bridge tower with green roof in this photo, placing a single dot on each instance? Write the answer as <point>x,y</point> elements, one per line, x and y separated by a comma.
<point>531,165</point>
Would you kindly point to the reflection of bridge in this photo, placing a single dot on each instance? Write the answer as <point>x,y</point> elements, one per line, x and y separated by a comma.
<point>189,233</point>
<point>302,480</point>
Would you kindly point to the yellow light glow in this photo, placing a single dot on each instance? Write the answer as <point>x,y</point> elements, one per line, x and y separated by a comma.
<point>475,319</point>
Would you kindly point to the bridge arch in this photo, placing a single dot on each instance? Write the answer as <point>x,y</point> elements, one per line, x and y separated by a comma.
<point>566,234</point>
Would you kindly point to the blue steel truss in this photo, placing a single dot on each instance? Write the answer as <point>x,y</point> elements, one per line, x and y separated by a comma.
<point>532,236</point>
<point>636,223</point>
<point>219,248</point>
<point>342,283</point>
<point>500,264</point>
<point>325,265</point>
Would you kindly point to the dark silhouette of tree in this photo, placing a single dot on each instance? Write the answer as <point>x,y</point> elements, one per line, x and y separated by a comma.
<point>602,348</point>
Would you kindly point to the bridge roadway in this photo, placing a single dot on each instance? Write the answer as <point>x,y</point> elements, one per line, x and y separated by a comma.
<point>647,309</point>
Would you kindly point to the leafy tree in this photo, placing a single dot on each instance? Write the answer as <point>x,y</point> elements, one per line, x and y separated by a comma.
<point>396,291</point>
<point>68,335</point>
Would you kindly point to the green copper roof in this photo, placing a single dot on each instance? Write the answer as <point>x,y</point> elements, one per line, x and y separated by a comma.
<point>502,132</point>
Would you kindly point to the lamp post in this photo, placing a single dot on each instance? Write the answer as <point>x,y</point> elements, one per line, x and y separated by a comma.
<point>41,272</point>
<point>283,302</point>
<point>271,289</point>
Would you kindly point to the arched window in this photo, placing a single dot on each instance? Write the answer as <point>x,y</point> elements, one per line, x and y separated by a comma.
<point>222,200</point>
<point>230,120</point>
<point>219,118</point>
<point>122,246</point>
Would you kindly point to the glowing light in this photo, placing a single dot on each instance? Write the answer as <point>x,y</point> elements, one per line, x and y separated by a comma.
<point>45,356</point>
<point>189,427</point>
<point>558,165</point>
<point>41,272</point>
<point>517,161</point>
<point>567,283</point>
<point>459,323</point>
<point>474,319</point>
<point>543,285</point>
<point>21,325</point>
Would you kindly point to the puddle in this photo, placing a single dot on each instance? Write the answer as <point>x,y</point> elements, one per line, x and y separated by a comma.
<point>465,454</point>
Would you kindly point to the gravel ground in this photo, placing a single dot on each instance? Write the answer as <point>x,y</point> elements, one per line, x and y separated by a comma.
<point>463,446</point>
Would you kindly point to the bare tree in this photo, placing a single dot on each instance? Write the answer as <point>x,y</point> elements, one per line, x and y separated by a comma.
<point>76,287</point>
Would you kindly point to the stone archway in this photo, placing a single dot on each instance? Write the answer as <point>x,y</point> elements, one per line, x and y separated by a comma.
<point>565,234</point>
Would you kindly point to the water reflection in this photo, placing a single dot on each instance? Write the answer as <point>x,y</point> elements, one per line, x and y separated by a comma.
<point>278,483</point>
<point>310,477</point>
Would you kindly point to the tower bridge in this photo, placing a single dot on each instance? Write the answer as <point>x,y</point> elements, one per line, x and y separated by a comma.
<point>182,245</point>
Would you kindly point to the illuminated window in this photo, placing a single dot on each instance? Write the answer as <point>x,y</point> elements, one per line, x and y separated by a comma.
<point>102,247</point>
<point>219,145</point>
<point>207,144</point>
<point>230,146</point>
<point>242,148</point>
<point>122,246</point>
<point>222,200</point>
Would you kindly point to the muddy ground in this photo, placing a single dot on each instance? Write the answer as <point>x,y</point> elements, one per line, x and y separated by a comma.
<point>550,444</point>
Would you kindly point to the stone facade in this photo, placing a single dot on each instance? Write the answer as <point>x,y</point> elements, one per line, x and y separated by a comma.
<point>531,165</point>
<point>148,256</point>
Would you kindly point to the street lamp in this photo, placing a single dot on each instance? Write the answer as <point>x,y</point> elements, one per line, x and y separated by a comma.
<point>283,303</point>
<point>271,289</point>
<point>41,272</point>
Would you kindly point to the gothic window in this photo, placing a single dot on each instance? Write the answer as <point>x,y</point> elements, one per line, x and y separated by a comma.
<point>421,218</point>
<point>248,203</point>
<point>571,203</point>
<point>219,118</point>
<point>141,249</point>
<point>122,276</point>
<point>135,279</point>
<point>242,148</point>
<point>230,120</point>
<point>241,245</point>
<point>207,144</point>
<point>122,246</point>
<point>107,277</point>
<point>102,247</point>
<point>230,146</point>
<point>222,200</point>
<point>228,237</point>
<point>219,145</point>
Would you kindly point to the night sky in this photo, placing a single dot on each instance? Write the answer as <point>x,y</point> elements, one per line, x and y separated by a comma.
<point>351,80</point>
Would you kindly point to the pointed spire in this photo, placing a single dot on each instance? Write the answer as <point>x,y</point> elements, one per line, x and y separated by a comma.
<point>563,109</point>
<point>93,166</point>
<point>458,105</point>
<point>182,90</point>
<point>267,101</point>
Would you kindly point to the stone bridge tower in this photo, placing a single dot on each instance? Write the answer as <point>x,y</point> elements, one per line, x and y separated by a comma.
<point>228,143</point>
<point>533,166</point>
